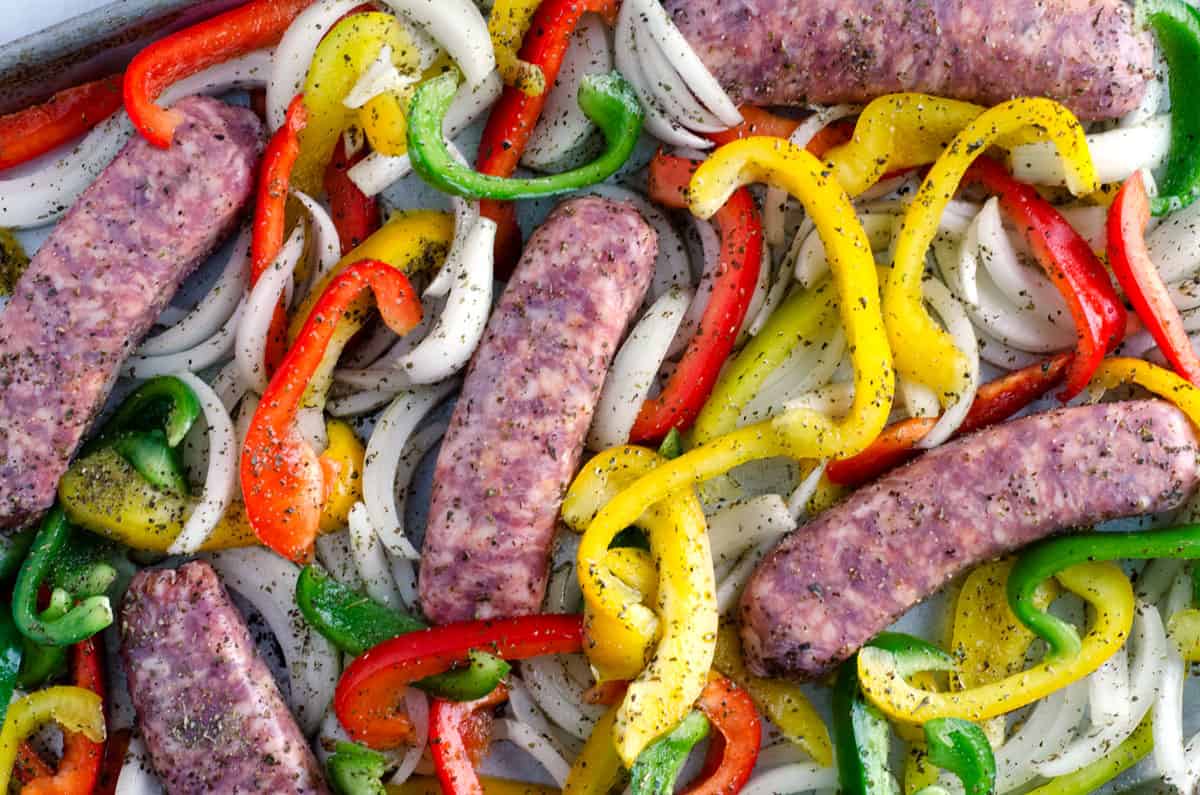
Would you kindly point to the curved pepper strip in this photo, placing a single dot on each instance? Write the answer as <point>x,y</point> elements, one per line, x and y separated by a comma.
<point>257,24</point>
<point>608,100</point>
<point>597,769</point>
<point>733,750</point>
<point>671,674</point>
<point>1102,585</point>
<point>924,351</point>
<point>508,23</point>
<point>61,119</point>
<point>75,709</point>
<point>515,115</point>
<point>799,433</point>
<point>1091,778</point>
<point>458,739</point>
<point>427,785</point>
<point>739,226</point>
<point>369,690</point>
<point>284,482</point>
<point>1160,381</point>
<point>658,767</point>
<point>355,214</point>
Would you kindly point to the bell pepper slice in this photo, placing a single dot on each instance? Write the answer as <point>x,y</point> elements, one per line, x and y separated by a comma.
<point>1069,262</point>
<point>756,121</point>
<point>862,737</point>
<point>962,748</point>
<point>1102,585</point>
<point>657,767</point>
<point>355,770</point>
<point>994,402</point>
<point>608,100</point>
<point>11,642</point>
<point>733,751</point>
<point>13,549</point>
<point>1139,278</point>
<point>924,351</point>
<point>783,702</point>
<point>509,22</point>
<point>1090,778</point>
<point>426,785</point>
<point>355,214</point>
<point>368,689</point>
<point>284,483</point>
<point>75,709</point>
<point>164,402</point>
<point>64,117</point>
<point>597,769</point>
<point>354,622</point>
<point>249,27</point>
<point>458,739</point>
<point>1177,25</point>
<point>516,113</point>
<point>739,225</point>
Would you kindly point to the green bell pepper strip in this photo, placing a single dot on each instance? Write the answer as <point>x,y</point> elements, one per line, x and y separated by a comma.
<point>608,100</point>
<point>40,664</point>
<point>658,766</point>
<point>356,770</point>
<point>1177,25</point>
<point>1092,777</point>
<point>1045,559</point>
<point>962,748</point>
<point>154,459</point>
<point>163,403</point>
<point>11,652</point>
<point>354,622</point>
<point>13,549</point>
<point>65,623</point>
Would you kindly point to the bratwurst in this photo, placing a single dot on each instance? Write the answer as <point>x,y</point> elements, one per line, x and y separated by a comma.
<point>1087,54</point>
<point>835,582</point>
<point>96,285</point>
<point>517,431</point>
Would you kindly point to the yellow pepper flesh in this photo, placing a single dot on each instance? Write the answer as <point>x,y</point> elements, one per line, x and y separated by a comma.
<point>924,352</point>
<point>1166,384</point>
<point>427,785</point>
<point>75,709</point>
<point>1102,585</point>
<point>508,22</point>
<point>597,769</point>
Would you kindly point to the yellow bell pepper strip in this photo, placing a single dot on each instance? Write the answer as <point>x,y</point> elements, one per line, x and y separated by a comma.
<point>346,454</point>
<point>1162,382</point>
<point>339,60</point>
<point>783,702</point>
<point>620,630</point>
<point>799,433</point>
<point>597,769</point>
<point>1183,629</point>
<point>1090,778</point>
<point>284,481</point>
<point>508,22</point>
<point>428,785</point>
<point>75,709</point>
<point>924,351</point>
<point>1102,585</point>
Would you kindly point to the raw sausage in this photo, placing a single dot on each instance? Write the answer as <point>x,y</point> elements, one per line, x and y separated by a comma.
<point>517,431</point>
<point>835,582</point>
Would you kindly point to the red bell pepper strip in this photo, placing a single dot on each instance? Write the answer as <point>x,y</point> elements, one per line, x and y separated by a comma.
<point>458,740</point>
<point>355,214</point>
<point>756,121</point>
<point>1139,278</point>
<point>733,749</point>
<point>257,24</point>
<point>368,692</point>
<point>740,228</point>
<point>515,115</point>
<point>79,769</point>
<point>1070,264</point>
<point>284,483</point>
<point>270,210</point>
<point>68,114</point>
<point>995,402</point>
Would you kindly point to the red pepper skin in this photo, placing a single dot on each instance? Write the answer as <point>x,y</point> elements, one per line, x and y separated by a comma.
<point>734,747</point>
<point>283,480</point>
<point>370,686</point>
<point>68,114</point>
<point>995,402</point>
<point>355,214</point>
<point>257,24</point>
<point>515,115</point>
<point>740,228</point>
<point>114,759</point>
<point>458,740</point>
<point>1070,264</point>
<point>1139,278</point>
<point>79,769</point>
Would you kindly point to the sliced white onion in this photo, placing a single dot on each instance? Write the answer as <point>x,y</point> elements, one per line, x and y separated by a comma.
<point>223,454</point>
<point>1117,153</point>
<point>415,450</point>
<point>808,367</point>
<point>536,745</point>
<point>916,399</point>
<point>795,778</point>
<point>268,582</point>
<point>459,27</point>
<point>559,695</point>
<point>371,560</point>
<point>360,403</point>
<point>1168,752</point>
<point>327,246</point>
<point>758,298</point>
<point>333,552</point>
<point>798,501</point>
<point>779,285</point>
<point>634,368</point>
<point>833,399</point>
<point>384,450</point>
<point>213,310</point>
<point>1172,244</point>
<point>958,325</point>
<point>375,172</point>
<point>731,586</point>
<point>294,54</point>
<point>466,217</point>
<point>563,128</point>
<point>710,245</point>
<point>756,521</point>
<point>252,332</point>
<point>995,352</point>
<point>416,705</point>
<point>664,82</point>
<point>215,349</point>
<point>380,77</point>
<point>459,327</point>
<point>137,773</point>
<point>1045,733</point>
<point>228,386</point>
<point>383,379</point>
<point>811,264</point>
<point>1025,287</point>
<point>525,709</point>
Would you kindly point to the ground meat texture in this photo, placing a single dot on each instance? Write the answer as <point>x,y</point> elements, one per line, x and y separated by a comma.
<point>837,581</point>
<point>518,429</point>
<point>95,287</point>
<point>207,706</point>
<point>1088,54</point>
